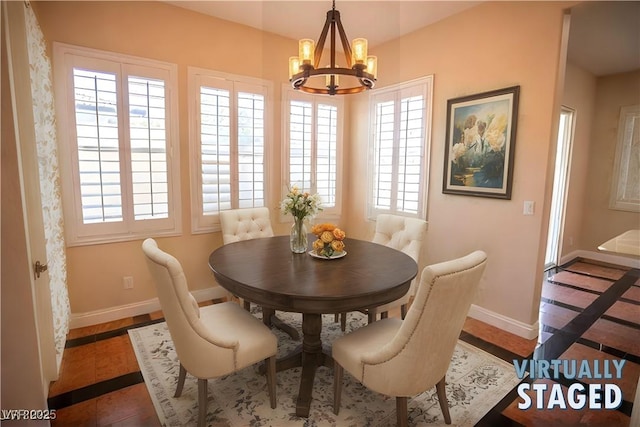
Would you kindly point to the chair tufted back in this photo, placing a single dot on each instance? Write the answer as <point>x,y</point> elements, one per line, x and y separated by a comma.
<point>404,234</point>
<point>429,332</point>
<point>401,233</point>
<point>245,224</point>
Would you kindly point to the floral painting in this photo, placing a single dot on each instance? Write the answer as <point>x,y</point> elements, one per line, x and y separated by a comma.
<point>480,140</point>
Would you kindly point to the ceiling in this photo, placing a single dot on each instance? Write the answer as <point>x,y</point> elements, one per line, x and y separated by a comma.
<point>377,21</point>
<point>604,35</point>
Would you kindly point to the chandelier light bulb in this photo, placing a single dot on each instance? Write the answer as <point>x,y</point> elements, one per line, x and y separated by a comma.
<point>329,83</point>
<point>372,66</point>
<point>305,51</point>
<point>294,66</point>
<point>358,51</point>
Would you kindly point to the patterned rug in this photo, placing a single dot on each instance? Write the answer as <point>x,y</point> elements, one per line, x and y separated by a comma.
<point>476,381</point>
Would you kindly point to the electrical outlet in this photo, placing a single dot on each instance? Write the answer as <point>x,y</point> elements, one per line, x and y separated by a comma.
<point>127,282</point>
<point>528,207</point>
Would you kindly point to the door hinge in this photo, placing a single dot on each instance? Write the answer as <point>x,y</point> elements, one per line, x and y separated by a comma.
<point>39,268</point>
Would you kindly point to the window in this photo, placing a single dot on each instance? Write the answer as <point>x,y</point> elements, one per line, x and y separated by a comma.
<point>119,168</point>
<point>228,117</point>
<point>399,149</point>
<point>313,127</point>
<point>625,185</point>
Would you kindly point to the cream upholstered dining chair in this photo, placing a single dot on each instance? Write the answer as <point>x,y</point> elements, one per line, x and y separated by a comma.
<point>403,358</point>
<point>406,235</point>
<point>246,224</point>
<point>212,341</point>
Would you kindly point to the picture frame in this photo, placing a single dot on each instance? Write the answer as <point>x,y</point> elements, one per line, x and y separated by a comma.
<point>480,144</point>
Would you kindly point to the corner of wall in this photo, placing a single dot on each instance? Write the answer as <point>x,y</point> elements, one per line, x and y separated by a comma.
<point>513,326</point>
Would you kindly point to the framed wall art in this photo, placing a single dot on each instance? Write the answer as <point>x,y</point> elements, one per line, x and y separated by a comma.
<point>481,136</point>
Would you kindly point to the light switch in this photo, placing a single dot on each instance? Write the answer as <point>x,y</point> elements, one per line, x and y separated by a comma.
<point>528,207</point>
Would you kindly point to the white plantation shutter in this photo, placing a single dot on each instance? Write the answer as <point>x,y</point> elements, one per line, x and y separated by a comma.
<point>314,146</point>
<point>251,153</point>
<point>98,145</point>
<point>384,137</point>
<point>300,143</point>
<point>326,153</point>
<point>410,153</point>
<point>120,175</point>
<point>148,136</point>
<point>228,121</point>
<point>401,118</point>
<point>215,149</point>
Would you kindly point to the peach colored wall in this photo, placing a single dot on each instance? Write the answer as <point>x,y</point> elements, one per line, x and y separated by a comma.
<point>580,95</point>
<point>163,32</point>
<point>491,46</point>
<point>494,45</point>
<point>601,223</point>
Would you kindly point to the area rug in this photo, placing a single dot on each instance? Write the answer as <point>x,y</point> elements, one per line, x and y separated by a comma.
<point>476,381</point>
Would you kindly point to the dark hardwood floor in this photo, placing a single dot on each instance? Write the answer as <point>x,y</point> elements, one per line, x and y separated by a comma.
<point>589,311</point>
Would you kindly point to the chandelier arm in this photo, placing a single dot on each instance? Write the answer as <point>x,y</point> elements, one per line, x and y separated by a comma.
<point>332,47</point>
<point>345,41</point>
<point>321,40</point>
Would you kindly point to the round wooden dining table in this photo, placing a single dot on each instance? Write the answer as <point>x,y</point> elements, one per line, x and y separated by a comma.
<point>266,272</point>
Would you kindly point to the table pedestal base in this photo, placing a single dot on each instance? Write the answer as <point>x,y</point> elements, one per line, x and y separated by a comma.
<point>269,318</point>
<point>310,356</point>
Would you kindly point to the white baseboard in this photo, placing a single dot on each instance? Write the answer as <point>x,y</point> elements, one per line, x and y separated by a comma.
<point>602,257</point>
<point>80,320</point>
<point>505,323</point>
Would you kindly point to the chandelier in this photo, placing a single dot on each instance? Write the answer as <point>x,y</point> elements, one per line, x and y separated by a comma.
<point>306,74</point>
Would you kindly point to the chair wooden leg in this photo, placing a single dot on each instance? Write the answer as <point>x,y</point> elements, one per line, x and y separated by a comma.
<point>343,322</point>
<point>271,380</point>
<point>337,386</point>
<point>401,411</point>
<point>442,398</point>
<point>181,376</point>
<point>372,314</point>
<point>384,315</point>
<point>336,317</point>
<point>202,401</point>
<point>403,311</point>
<point>247,305</point>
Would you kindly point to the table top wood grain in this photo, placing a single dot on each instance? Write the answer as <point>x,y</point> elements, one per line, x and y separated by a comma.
<point>266,272</point>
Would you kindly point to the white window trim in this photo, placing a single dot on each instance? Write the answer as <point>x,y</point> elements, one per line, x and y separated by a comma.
<point>425,85</point>
<point>288,94</point>
<point>201,223</point>
<point>77,233</point>
<point>628,126</point>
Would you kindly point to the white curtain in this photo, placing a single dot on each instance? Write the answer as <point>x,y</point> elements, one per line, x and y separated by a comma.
<point>45,127</point>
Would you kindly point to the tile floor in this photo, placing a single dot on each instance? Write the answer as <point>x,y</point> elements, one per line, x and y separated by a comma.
<point>589,311</point>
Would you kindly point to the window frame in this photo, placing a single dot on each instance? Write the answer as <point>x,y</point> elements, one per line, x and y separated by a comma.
<point>201,223</point>
<point>628,124</point>
<point>66,58</point>
<point>424,86</point>
<point>288,95</point>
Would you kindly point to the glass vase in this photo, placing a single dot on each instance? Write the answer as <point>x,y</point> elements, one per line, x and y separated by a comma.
<point>298,238</point>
